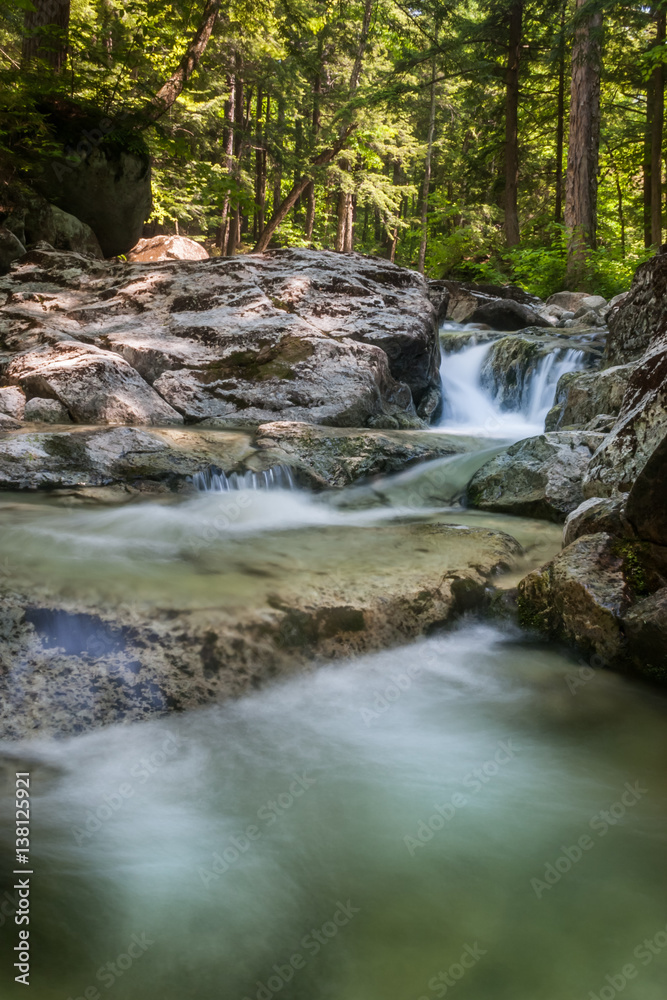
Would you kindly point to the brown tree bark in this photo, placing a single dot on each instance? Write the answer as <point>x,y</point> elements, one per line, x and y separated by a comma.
<point>228,154</point>
<point>310,190</point>
<point>171,89</point>
<point>512,235</point>
<point>657,126</point>
<point>427,168</point>
<point>278,170</point>
<point>584,143</point>
<point>45,32</point>
<point>560,125</point>
<point>320,160</point>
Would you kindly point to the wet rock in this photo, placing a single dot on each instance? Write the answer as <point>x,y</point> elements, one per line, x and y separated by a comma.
<point>505,314</point>
<point>11,249</point>
<point>581,597</point>
<point>583,396</point>
<point>294,599</point>
<point>166,248</point>
<point>638,321</point>
<point>513,360</point>
<point>46,411</point>
<point>88,457</point>
<point>91,384</point>
<point>645,627</point>
<point>538,477</point>
<point>639,429</point>
<point>323,337</point>
<point>646,507</point>
<point>599,514</point>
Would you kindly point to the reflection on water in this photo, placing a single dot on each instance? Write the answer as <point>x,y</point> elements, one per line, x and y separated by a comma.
<point>354,833</point>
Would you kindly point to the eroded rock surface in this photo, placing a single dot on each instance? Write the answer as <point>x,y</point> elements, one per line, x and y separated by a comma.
<point>335,339</point>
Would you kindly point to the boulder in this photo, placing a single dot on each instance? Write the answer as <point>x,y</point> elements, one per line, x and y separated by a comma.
<point>34,220</point>
<point>505,314</point>
<point>93,385</point>
<point>639,320</point>
<point>12,402</point>
<point>198,636</point>
<point>167,458</point>
<point>581,596</point>
<point>538,477</point>
<point>646,508</point>
<point>575,301</point>
<point>645,628</point>
<point>340,339</point>
<point>11,249</point>
<point>513,360</point>
<point>639,429</point>
<point>599,514</point>
<point>166,248</point>
<point>103,176</point>
<point>46,411</point>
<point>581,397</point>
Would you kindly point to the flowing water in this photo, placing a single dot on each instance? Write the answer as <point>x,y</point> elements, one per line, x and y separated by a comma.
<point>473,815</point>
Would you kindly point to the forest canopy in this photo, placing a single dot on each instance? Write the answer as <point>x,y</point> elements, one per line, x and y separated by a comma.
<point>486,140</point>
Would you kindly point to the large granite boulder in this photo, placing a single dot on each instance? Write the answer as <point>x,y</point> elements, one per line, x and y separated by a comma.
<point>639,319</point>
<point>585,397</point>
<point>35,220</point>
<point>645,628</point>
<point>166,458</point>
<point>646,507</point>
<point>166,248</point>
<point>537,477</point>
<point>341,340</point>
<point>11,249</point>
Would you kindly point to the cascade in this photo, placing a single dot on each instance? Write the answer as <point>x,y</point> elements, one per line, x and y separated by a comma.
<point>277,477</point>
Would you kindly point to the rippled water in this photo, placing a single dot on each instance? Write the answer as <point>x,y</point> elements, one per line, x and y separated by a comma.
<point>355,832</point>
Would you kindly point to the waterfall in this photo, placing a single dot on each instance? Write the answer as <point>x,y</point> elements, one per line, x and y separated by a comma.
<point>278,477</point>
<point>471,408</point>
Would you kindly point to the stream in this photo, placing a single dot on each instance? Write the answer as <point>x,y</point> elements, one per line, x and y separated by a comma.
<point>475,814</point>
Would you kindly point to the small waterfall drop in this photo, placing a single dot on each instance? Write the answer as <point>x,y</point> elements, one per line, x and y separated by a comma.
<point>277,477</point>
<point>471,408</point>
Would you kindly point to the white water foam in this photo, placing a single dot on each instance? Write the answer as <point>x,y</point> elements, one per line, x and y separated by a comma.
<point>470,408</point>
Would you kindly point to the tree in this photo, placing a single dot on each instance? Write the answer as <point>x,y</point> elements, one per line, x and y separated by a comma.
<point>45,34</point>
<point>584,142</point>
<point>515,19</point>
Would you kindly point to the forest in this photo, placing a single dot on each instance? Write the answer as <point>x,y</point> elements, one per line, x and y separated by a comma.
<point>483,140</point>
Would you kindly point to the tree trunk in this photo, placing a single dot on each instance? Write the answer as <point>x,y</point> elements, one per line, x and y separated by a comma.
<point>170,91</point>
<point>427,167</point>
<point>560,127</point>
<point>278,171</point>
<point>45,31</point>
<point>584,144</point>
<point>648,164</point>
<point>656,137</point>
<point>325,157</point>
<point>258,214</point>
<point>228,152</point>
<point>310,190</point>
<point>512,125</point>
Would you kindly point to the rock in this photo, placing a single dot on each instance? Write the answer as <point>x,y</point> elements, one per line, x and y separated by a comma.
<point>639,320</point>
<point>11,249</point>
<point>513,360</point>
<point>34,220</point>
<point>284,600</point>
<point>639,429</point>
<point>103,177</point>
<point>439,294</point>
<point>72,234</point>
<point>344,340</point>
<point>87,457</point>
<point>538,477</point>
<point>597,515</point>
<point>646,508</point>
<point>574,301</point>
<point>12,402</point>
<point>340,456</point>
<point>502,307</point>
<point>505,314</point>
<point>645,628</point>
<point>166,248</point>
<point>581,597</point>
<point>46,411</point>
<point>92,384</point>
<point>582,396</point>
